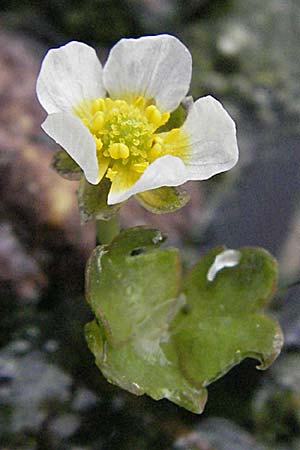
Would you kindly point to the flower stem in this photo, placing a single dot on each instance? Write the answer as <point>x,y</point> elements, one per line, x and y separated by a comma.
<point>107,230</point>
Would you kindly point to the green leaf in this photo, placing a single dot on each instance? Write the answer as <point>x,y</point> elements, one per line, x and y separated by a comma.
<point>246,287</point>
<point>163,200</point>
<point>145,368</point>
<point>92,201</point>
<point>133,279</point>
<point>222,323</point>
<point>158,335</point>
<point>65,166</point>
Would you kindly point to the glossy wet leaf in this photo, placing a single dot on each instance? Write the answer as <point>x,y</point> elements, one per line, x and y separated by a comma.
<point>132,281</point>
<point>163,200</point>
<point>223,324</point>
<point>65,166</point>
<point>157,334</point>
<point>144,368</point>
<point>92,201</point>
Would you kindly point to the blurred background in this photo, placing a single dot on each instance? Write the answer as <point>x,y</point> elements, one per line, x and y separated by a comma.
<point>52,396</point>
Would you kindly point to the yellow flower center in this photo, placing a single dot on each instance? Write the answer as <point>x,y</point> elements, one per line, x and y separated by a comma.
<point>126,137</point>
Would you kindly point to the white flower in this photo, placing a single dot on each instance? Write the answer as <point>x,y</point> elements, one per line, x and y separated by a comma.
<point>108,119</point>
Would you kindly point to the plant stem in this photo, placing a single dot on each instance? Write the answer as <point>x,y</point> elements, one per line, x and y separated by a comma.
<point>107,230</point>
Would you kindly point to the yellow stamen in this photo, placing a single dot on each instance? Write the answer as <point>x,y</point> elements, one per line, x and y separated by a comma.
<point>140,167</point>
<point>118,150</point>
<point>99,143</point>
<point>119,103</point>
<point>97,105</point>
<point>172,135</point>
<point>97,121</point>
<point>125,138</point>
<point>158,140</point>
<point>110,174</point>
<point>164,118</point>
<point>153,115</point>
<point>155,151</point>
<point>140,102</point>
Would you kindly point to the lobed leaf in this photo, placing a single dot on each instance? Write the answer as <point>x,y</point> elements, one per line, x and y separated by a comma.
<point>157,335</point>
<point>144,369</point>
<point>132,281</point>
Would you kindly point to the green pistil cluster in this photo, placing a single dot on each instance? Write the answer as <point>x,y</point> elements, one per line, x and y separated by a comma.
<point>124,133</point>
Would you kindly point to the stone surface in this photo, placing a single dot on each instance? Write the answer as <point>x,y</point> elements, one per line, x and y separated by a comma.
<point>38,210</point>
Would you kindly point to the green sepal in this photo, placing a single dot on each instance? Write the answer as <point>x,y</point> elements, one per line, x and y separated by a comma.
<point>157,335</point>
<point>92,201</point>
<point>65,166</point>
<point>176,119</point>
<point>163,200</point>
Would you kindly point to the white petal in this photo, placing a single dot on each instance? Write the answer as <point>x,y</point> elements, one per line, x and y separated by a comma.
<point>69,132</point>
<point>165,171</point>
<point>212,137</point>
<point>69,75</point>
<point>228,258</point>
<point>157,67</point>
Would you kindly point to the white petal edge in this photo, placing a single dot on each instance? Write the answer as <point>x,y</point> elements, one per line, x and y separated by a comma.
<point>212,137</point>
<point>228,258</point>
<point>156,67</point>
<point>69,132</point>
<point>69,74</point>
<point>167,170</point>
